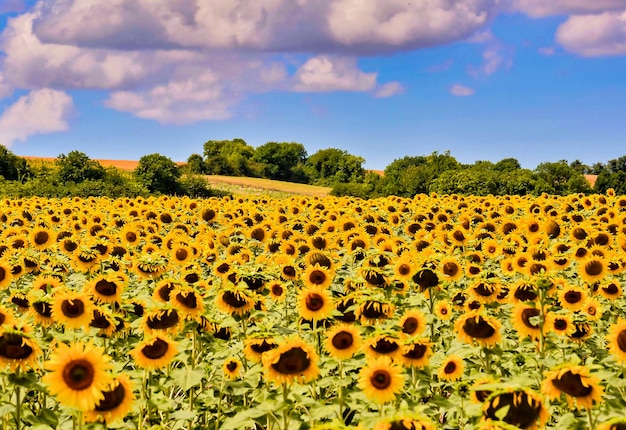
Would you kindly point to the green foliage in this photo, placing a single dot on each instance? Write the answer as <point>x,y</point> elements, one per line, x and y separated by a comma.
<point>282,161</point>
<point>409,176</point>
<point>229,157</point>
<point>195,165</point>
<point>12,167</point>
<point>77,167</point>
<point>331,166</point>
<point>197,187</point>
<point>559,178</point>
<point>158,173</point>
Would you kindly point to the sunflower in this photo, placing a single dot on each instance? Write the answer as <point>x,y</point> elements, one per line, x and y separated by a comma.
<point>188,301</point>
<point>592,309</point>
<point>255,347</point>
<point>403,269</point>
<point>72,309</point>
<point>318,276</point>
<point>116,404</point>
<point>617,340</point>
<point>232,368</point>
<point>7,318</point>
<point>451,369</point>
<point>165,320</point>
<point>518,407</point>
<point>381,380</point>
<point>480,393</point>
<point>485,290</point>
<point>235,301</point>
<point>163,289</point>
<point>40,238</point>
<point>103,321</point>
<point>610,289</point>
<point>405,422</point>
<point>572,298</point>
<point>382,345</point>
<point>412,322</point>
<point>592,269</point>
<point>371,311</point>
<point>581,333</point>
<point>277,290</point>
<point>5,274</point>
<point>315,303</point>
<point>154,352</point>
<point>342,341</point>
<point>292,361</point>
<point>560,323</point>
<point>617,423</point>
<point>443,310</point>
<point>475,327</point>
<point>415,352</point>
<point>78,375</point>
<point>576,383</point>
<point>107,288</point>
<point>18,348</point>
<point>527,320</point>
<point>450,269</point>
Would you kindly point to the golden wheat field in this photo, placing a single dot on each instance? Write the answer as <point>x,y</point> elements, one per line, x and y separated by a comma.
<point>437,312</point>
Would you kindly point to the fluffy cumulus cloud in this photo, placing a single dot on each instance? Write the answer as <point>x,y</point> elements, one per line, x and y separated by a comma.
<point>541,8</point>
<point>41,111</point>
<point>324,73</point>
<point>594,35</point>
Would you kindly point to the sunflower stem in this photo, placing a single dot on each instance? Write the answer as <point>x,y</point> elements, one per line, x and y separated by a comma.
<point>219,404</point>
<point>286,411</point>
<point>18,408</point>
<point>340,391</point>
<point>590,421</point>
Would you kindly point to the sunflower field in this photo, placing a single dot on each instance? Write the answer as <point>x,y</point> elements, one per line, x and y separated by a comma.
<point>437,312</point>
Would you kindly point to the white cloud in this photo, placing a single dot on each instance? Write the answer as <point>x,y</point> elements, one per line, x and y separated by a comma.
<point>389,89</point>
<point>11,6</point>
<point>541,8</point>
<point>5,90</point>
<point>594,35</point>
<point>39,112</point>
<point>324,73</point>
<point>547,50</point>
<point>461,90</point>
<point>496,56</point>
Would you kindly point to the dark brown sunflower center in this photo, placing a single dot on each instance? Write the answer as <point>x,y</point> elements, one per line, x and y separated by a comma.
<point>594,268</point>
<point>73,308</point>
<point>317,277</point>
<point>380,379</point>
<point>618,426</point>
<point>621,340</point>
<point>404,269</point>
<point>478,328</point>
<point>458,236</point>
<point>573,297</point>
<point>481,395</point>
<point>99,320</point>
<point>112,399</point>
<point>483,289</point>
<point>3,274</point>
<point>610,289</point>
<point>416,351</point>
<point>342,340</point>
<point>232,366</point>
<point>426,279</point>
<point>373,310</point>
<point>529,313</point>
<point>385,346</point>
<point>262,347</point>
<point>560,324</point>
<point>451,269</point>
<point>277,290</point>
<point>106,288</point>
<point>234,299</point>
<point>571,384</point>
<point>163,320</point>
<point>450,368</point>
<point>410,325</point>
<point>131,236</point>
<point>78,374</point>
<point>44,309</point>
<point>521,410</point>
<point>156,349</point>
<point>86,258</point>
<point>12,346</point>
<point>187,299</point>
<point>314,302</point>
<point>289,271</point>
<point>41,237</point>
<point>292,362</point>
<point>181,254</point>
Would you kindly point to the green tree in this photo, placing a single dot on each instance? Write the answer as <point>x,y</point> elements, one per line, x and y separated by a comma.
<point>77,167</point>
<point>507,165</point>
<point>282,161</point>
<point>331,166</point>
<point>158,173</point>
<point>12,167</point>
<point>559,178</point>
<point>195,165</point>
<point>410,175</point>
<point>229,157</point>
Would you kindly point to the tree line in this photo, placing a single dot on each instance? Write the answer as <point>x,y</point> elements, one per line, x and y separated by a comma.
<point>75,174</point>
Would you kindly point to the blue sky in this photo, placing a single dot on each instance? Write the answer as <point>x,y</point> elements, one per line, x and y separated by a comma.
<point>483,79</point>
